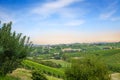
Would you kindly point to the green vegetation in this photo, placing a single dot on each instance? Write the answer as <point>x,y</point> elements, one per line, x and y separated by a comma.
<point>87,69</point>
<point>47,63</point>
<point>50,61</point>
<point>13,48</point>
<point>45,69</point>
<point>37,75</point>
<point>63,63</point>
<point>24,74</point>
<point>8,78</point>
<point>110,57</point>
<point>109,53</point>
<point>53,78</point>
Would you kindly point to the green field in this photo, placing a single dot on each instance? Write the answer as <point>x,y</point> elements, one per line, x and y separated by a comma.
<point>45,69</point>
<point>61,62</point>
<point>111,57</point>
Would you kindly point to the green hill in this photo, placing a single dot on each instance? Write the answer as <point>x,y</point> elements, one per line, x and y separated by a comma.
<point>45,69</point>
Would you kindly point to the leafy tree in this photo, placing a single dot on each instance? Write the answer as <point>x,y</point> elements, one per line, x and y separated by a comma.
<point>87,69</point>
<point>65,57</point>
<point>37,75</point>
<point>13,48</point>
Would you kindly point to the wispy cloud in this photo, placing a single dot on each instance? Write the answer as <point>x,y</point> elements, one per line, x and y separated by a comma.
<point>61,11</point>
<point>109,12</point>
<point>49,8</point>
<point>60,21</point>
<point>107,15</point>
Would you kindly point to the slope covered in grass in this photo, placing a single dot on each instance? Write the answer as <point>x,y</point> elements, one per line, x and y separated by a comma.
<point>8,78</point>
<point>45,69</point>
<point>110,57</point>
<point>24,74</point>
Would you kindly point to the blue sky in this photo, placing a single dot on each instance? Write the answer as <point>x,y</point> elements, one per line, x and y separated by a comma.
<point>64,21</point>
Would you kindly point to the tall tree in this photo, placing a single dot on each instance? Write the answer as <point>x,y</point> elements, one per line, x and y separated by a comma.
<point>13,48</point>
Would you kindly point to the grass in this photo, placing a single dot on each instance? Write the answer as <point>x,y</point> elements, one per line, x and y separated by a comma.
<point>8,78</point>
<point>45,69</point>
<point>53,78</point>
<point>24,74</point>
<point>61,62</point>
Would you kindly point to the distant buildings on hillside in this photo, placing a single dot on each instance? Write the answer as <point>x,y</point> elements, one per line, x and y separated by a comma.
<point>70,49</point>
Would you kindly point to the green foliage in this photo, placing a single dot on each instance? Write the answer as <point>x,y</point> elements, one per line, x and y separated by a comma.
<point>37,75</point>
<point>45,69</point>
<point>61,62</point>
<point>13,48</point>
<point>48,63</point>
<point>111,58</point>
<point>87,69</point>
<point>65,57</point>
<point>114,67</point>
<point>8,78</point>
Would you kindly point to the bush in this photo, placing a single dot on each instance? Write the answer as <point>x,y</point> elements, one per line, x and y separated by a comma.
<point>114,67</point>
<point>37,75</point>
<point>87,69</point>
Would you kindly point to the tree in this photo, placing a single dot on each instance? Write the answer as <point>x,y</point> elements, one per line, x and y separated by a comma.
<point>13,48</point>
<point>65,57</point>
<point>87,69</point>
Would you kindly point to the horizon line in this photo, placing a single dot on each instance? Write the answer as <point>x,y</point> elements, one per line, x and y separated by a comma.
<point>78,43</point>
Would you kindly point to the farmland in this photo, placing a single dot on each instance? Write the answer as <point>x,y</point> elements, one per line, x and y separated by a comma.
<point>52,61</point>
<point>59,39</point>
<point>109,53</point>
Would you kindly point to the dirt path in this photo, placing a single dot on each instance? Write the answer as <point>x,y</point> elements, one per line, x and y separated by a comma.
<point>115,76</point>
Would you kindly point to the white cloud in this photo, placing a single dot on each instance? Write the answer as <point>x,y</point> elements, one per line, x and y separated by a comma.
<point>61,10</point>
<point>53,7</point>
<point>107,15</point>
<point>109,12</point>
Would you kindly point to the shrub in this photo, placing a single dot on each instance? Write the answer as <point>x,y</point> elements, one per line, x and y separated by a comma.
<point>87,69</point>
<point>37,75</point>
